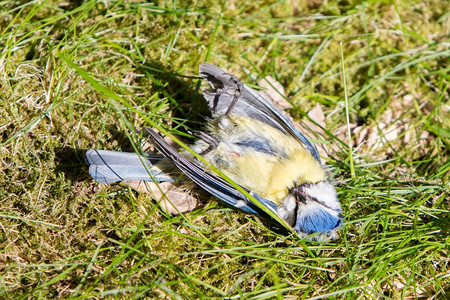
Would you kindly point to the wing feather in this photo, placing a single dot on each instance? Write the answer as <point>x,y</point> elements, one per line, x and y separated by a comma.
<point>211,183</point>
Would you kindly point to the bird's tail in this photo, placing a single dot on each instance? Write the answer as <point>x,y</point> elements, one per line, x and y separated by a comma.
<point>112,166</point>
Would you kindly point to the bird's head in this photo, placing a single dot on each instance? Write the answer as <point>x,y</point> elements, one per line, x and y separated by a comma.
<point>311,208</point>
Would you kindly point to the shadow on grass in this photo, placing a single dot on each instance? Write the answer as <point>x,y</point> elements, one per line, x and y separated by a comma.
<point>185,100</point>
<point>72,163</point>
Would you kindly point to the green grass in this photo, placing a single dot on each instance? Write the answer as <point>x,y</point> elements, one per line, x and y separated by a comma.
<point>64,236</point>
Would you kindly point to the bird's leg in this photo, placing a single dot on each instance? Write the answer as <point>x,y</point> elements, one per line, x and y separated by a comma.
<point>236,96</point>
<point>211,140</point>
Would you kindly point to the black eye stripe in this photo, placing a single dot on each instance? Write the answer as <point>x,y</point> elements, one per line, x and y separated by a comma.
<point>302,197</point>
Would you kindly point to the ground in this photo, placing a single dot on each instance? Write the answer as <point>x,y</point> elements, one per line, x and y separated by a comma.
<point>367,80</point>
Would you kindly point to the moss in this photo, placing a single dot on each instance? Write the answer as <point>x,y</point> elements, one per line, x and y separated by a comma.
<point>63,235</point>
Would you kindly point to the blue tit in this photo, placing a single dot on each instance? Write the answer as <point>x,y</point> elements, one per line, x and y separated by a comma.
<point>252,143</point>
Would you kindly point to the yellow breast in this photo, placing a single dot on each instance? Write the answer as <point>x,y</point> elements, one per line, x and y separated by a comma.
<point>263,159</point>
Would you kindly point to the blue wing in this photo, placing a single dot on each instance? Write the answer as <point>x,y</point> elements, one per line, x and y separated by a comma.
<point>211,183</point>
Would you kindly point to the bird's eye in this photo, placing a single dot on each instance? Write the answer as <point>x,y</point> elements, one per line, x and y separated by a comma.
<point>301,189</point>
<point>299,193</point>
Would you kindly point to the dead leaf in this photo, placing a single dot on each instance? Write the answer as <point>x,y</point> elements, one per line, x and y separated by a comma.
<point>342,132</point>
<point>408,132</point>
<point>275,91</point>
<point>399,283</point>
<point>377,139</point>
<point>184,231</point>
<point>171,198</point>
<point>318,116</point>
<point>361,133</point>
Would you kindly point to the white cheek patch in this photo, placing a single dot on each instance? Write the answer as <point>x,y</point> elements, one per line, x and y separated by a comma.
<point>286,210</point>
<point>324,193</point>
